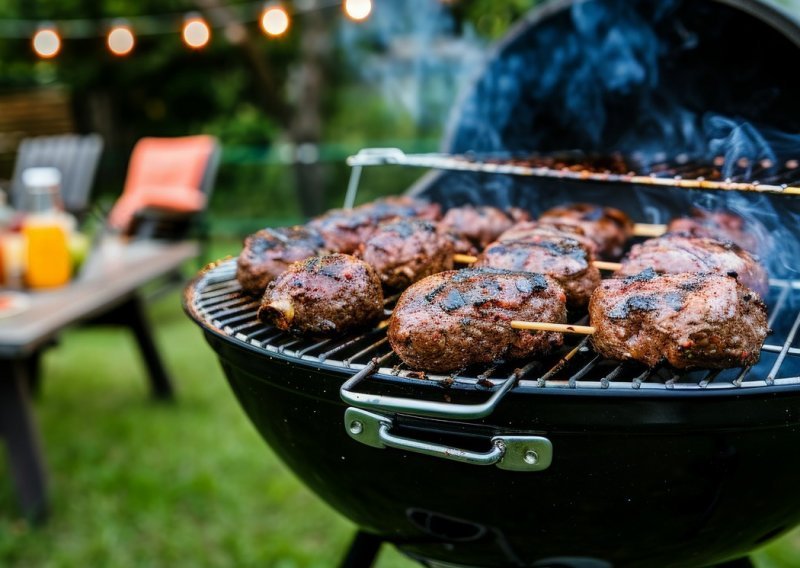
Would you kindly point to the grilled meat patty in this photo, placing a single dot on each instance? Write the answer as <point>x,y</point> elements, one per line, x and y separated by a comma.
<point>461,317</point>
<point>681,252</point>
<point>407,250</point>
<point>609,228</point>
<point>323,295</point>
<point>690,320</point>
<point>267,253</point>
<point>482,224</point>
<point>723,226</point>
<point>551,252</point>
<point>523,229</point>
<point>345,229</point>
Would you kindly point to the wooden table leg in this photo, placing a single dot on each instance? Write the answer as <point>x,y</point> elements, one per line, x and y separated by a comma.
<point>19,430</point>
<point>133,314</point>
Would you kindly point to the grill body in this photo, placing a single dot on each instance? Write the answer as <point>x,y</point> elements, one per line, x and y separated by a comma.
<point>662,477</point>
<point>647,469</point>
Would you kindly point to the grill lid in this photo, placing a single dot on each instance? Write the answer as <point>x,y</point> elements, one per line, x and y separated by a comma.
<point>680,77</point>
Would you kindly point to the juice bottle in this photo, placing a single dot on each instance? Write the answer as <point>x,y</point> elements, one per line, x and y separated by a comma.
<point>47,258</point>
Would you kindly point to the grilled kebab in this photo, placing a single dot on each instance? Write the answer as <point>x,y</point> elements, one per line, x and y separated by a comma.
<point>676,253</point>
<point>461,317</point>
<point>723,226</point>
<point>545,249</point>
<point>267,253</point>
<point>323,295</point>
<point>345,229</point>
<point>609,228</point>
<point>407,250</point>
<point>482,224</point>
<point>690,320</point>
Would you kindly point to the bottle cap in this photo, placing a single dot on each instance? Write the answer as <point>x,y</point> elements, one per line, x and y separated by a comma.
<point>41,177</point>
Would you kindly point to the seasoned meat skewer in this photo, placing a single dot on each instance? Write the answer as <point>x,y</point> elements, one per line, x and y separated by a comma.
<point>407,250</point>
<point>723,226</point>
<point>551,252</point>
<point>267,253</point>
<point>697,320</point>
<point>691,320</point>
<point>609,228</point>
<point>457,318</point>
<point>681,252</point>
<point>323,295</point>
<point>482,224</point>
<point>525,228</point>
<point>345,229</point>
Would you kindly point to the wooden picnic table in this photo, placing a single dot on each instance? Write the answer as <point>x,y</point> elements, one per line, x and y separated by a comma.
<point>106,291</point>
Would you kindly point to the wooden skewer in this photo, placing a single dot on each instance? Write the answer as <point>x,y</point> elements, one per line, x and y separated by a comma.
<point>649,230</point>
<point>601,264</point>
<point>465,258</point>
<point>559,327</point>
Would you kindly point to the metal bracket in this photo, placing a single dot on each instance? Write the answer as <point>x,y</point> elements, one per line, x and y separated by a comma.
<point>513,453</point>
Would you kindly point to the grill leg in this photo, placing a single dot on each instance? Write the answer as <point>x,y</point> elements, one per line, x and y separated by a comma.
<point>362,552</point>
<point>22,440</point>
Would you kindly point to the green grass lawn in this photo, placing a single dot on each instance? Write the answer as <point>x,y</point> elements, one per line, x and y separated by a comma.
<point>139,483</point>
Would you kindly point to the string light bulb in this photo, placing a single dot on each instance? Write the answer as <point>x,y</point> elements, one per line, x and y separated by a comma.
<point>196,33</point>
<point>120,39</point>
<point>46,42</point>
<point>274,20</point>
<point>358,10</point>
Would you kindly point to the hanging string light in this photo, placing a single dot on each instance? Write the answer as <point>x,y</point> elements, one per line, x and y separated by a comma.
<point>46,41</point>
<point>358,10</point>
<point>120,39</point>
<point>196,33</point>
<point>274,20</point>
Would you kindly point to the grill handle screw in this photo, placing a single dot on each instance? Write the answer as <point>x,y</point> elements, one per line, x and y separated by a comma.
<point>531,457</point>
<point>356,427</point>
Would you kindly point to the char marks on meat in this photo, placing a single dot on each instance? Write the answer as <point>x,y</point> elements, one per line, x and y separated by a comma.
<point>324,295</point>
<point>723,226</point>
<point>523,229</point>
<point>407,250</point>
<point>482,224</point>
<point>345,229</point>
<point>609,228</point>
<point>457,318</point>
<point>267,253</point>
<point>549,251</point>
<point>699,320</point>
<point>682,252</point>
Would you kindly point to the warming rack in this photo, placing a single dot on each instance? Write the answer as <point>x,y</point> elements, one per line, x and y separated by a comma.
<point>681,171</point>
<point>218,299</point>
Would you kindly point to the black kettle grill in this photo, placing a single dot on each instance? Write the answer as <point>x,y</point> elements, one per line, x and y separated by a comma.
<point>569,460</point>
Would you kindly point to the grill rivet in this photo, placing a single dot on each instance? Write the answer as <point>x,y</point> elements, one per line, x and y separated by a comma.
<point>531,457</point>
<point>356,427</point>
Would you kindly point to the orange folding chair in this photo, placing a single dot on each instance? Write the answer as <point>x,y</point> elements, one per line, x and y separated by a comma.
<point>167,188</point>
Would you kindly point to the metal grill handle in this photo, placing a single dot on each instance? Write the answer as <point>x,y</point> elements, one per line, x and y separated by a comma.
<point>419,407</point>
<point>514,453</point>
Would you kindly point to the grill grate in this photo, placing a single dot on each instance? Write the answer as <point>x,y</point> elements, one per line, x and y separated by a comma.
<point>218,300</point>
<point>682,171</point>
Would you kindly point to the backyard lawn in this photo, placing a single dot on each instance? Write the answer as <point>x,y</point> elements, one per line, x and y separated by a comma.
<point>138,483</point>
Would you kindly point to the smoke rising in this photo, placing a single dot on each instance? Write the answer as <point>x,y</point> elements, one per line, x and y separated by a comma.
<point>413,53</point>
<point>654,80</point>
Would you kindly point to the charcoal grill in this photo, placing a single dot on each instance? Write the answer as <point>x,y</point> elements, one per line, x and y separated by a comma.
<point>570,459</point>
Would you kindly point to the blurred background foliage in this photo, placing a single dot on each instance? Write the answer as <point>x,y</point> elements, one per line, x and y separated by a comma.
<point>252,93</point>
